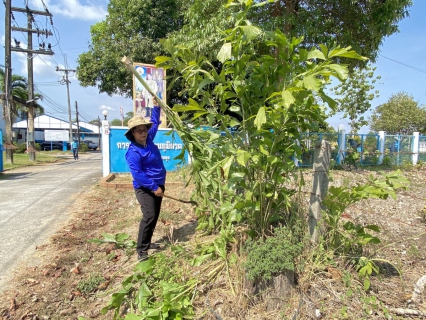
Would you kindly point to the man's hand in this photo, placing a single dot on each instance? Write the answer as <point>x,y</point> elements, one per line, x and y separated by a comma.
<point>158,192</point>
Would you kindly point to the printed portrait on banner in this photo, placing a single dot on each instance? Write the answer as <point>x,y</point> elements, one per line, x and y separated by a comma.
<point>142,99</point>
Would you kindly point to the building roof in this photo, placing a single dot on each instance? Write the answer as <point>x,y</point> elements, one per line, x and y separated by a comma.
<point>47,123</point>
<point>89,127</point>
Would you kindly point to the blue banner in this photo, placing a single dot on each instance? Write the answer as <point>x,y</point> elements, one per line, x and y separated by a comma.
<point>168,141</point>
<point>1,151</point>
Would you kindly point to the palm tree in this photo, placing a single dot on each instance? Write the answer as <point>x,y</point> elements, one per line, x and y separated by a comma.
<point>19,88</point>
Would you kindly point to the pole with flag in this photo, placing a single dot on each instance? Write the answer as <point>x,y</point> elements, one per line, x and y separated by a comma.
<point>122,115</point>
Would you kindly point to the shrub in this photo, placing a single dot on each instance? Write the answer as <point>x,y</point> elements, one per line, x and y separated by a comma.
<point>22,147</point>
<point>273,255</point>
<point>83,147</point>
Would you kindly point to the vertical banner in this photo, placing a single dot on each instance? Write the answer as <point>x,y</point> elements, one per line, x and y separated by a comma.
<point>142,99</point>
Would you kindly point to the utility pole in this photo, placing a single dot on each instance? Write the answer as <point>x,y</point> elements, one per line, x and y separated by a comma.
<point>78,125</point>
<point>68,93</point>
<point>30,66</point>
<point>7,84</point>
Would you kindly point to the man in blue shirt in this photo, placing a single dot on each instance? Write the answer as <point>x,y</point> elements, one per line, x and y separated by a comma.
<point>74,147</point>
<point>149,175</point>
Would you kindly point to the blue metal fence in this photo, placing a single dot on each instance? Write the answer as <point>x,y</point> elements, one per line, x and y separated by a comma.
<point>366,149</point>
<point>422,148</point>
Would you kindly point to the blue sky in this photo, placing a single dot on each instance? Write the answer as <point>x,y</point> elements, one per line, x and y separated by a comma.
<point>401,64</point>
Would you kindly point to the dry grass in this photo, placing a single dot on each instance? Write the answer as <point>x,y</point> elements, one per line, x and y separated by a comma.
<point>48,290</point>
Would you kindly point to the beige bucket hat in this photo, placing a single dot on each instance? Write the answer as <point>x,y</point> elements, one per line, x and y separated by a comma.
<point>134,122</point>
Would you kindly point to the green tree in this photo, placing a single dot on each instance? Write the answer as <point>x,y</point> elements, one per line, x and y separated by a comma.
<point>241,175</point>
<point>360,24</point>
<point>132,29</point>
<point>400,115</point>
<point>355,95</point>
<point>18,88</point>
<point>196,24</point>
<point>117,122</point>
<point>96,122</point>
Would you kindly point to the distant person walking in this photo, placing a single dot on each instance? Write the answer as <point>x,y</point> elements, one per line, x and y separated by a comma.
<point>74,147</point>
<point>148,173</point>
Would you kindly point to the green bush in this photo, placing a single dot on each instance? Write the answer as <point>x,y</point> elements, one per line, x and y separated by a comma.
<point>83,147</point>
<point>388,160</point>
<point>22,147</point>
<point>273,255</point>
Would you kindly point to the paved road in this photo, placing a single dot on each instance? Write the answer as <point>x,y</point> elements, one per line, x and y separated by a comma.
<point>34,202</point>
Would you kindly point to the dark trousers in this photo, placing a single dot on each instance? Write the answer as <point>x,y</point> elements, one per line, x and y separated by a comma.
<point>150,207</point>
<point>75,153</point>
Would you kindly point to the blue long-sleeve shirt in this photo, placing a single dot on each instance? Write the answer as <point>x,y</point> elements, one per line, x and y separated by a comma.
<point>145,163</point>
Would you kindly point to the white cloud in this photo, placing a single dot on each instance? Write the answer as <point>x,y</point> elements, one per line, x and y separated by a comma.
<point>104,107</point>
<point>74,9</point>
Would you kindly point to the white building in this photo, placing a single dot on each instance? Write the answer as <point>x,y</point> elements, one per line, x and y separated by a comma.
<point>41,123</point>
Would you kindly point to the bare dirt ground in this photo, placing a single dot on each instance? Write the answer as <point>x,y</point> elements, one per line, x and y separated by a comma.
<point>49,290</point>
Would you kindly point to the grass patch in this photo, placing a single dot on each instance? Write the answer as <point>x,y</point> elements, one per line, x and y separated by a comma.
<point>86,286</point>
<point>23,160</point>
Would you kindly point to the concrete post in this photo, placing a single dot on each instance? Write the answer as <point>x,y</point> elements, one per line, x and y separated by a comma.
<point>322,159</point>
<point>415,148</point>
<point>1,151</point>
<point>341,141</point>
<point>105,148</point>
<point>381,146</point>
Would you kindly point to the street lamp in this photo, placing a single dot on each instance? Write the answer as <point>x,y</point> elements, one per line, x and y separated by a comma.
<point>105,113</point>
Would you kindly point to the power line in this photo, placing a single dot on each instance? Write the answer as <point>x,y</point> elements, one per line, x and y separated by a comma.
<point>404,64</point>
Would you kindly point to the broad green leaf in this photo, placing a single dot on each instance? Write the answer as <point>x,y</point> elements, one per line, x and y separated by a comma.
<point>373,227</point>
<point>205,82</point>
<point>346,53</point>
<point>144,266</point>
<point>288,98</point>
<point>312,83</point>
<point>263,150</point>
<point>122,236</point>
<point>225,52</point>
<point>235,216</point>
<point>260,118</point>
<point>227,165</point>
<point>251,32</point>
<point>162,59</point>
<point>366,284</point>
<point>143,293</point>
<point>341,71</point>
<point>324,49</point>
<point>189,107</point>
<point>330,101</point>
<point>199,260</point>
<point>316,54</point>
<point>108,237</point>
<point>243,157</point>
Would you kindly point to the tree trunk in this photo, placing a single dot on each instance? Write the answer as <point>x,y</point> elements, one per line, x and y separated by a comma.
<point>275,293</point>
<point>322,158</point>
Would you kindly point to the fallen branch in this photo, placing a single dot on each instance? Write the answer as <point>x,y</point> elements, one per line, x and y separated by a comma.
<point>418,289</point>
<point>407,312</point>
